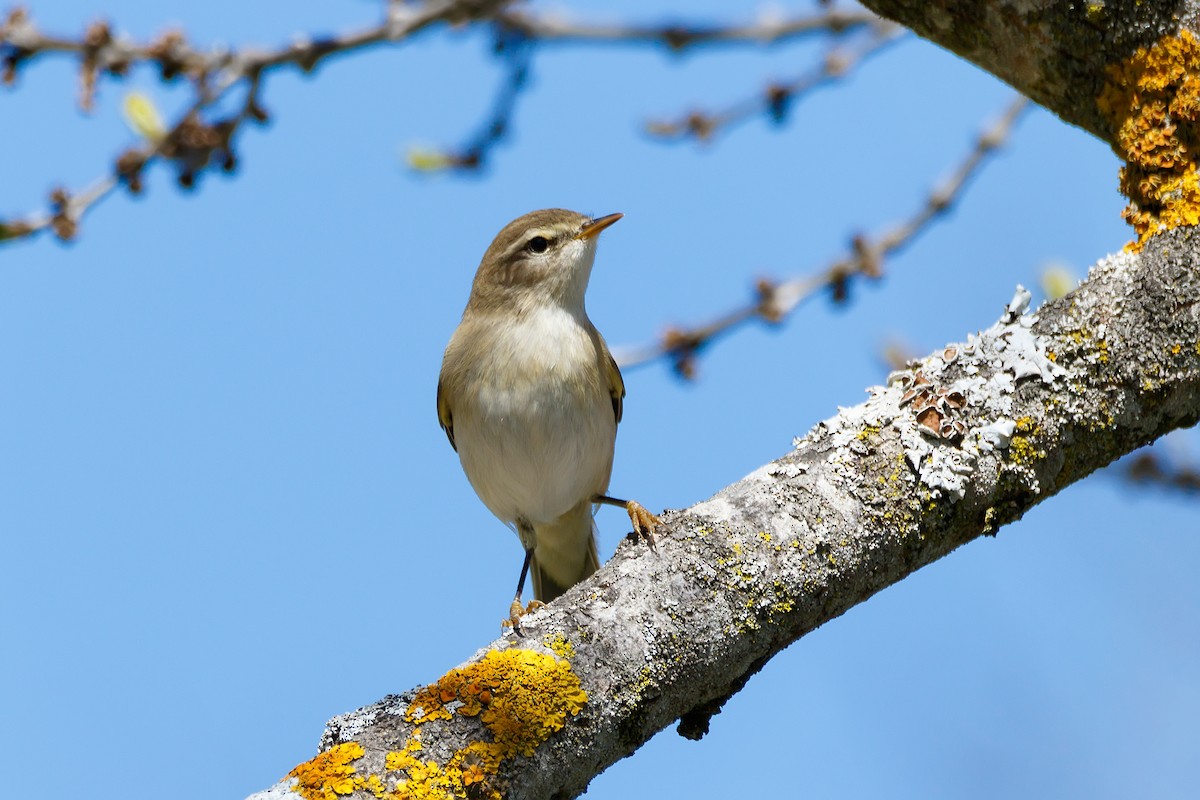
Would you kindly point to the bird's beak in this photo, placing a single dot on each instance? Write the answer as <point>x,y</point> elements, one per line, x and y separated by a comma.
<point>593,228</point>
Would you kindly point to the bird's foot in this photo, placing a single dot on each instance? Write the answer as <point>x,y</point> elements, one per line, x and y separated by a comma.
<point>644,523</point>
<point>516,611</point>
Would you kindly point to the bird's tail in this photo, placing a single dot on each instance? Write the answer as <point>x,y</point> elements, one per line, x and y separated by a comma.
<point>565,554</point>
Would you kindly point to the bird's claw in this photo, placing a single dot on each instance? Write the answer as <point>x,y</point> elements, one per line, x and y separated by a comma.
<point>644,523</point>
<point>516,611</point>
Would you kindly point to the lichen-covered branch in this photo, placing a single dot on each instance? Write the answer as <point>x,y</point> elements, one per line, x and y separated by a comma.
<point>1056,52</point>
<point>955,446</point>
<point>1127,72</point>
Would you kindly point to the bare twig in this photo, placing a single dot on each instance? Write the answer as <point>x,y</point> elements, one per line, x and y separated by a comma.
<point>780,97</point>
<point>770,29</point>
<point>192,143</point>
<point>515,49</point>
<point>195,143</point>
<point>517,33</point>
<point>775,301</point>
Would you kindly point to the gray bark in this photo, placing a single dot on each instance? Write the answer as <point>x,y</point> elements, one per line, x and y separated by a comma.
<point>1052,51</point>
<point>961,443</point>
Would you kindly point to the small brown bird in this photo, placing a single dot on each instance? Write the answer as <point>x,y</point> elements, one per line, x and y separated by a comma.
<point>530,397</point>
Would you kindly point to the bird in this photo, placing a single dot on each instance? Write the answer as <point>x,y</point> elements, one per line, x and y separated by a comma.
<point>530,398</point>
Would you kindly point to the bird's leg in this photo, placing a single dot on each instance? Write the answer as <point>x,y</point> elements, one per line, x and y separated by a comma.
<point>516,611</point>
<point>643,521</point>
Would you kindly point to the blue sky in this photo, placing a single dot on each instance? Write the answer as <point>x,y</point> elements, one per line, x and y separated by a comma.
<point>228,512</point>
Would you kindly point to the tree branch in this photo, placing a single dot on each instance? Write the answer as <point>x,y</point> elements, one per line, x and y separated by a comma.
<point>769,29</point>
<point>194,143</point>
<point>779,98</point>
<point>960,443</point>
<point>1126,72</point>
<point>1056,52</point>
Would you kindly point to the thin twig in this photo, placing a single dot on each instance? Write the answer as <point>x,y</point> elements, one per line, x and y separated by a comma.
<point>196,144</point>
<point>776,301</point>
<point>191,142</point>
<point>515,49</point>
<point>770,29</point>
<point>517,32</point>
<point>780,97</point>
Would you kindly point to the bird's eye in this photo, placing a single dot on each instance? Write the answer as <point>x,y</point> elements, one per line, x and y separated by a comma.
<point>538,244</point>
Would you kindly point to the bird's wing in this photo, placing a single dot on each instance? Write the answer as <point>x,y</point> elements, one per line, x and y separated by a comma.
<point>446,420</point>
<point>616,386</point>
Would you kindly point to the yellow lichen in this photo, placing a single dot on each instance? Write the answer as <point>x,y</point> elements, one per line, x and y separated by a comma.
<point>1021,449</point>
<point>330,774</point>
<point>561,645</point>
<point>783,601</point>
<point>867,432</point>
<point>781,607</point>
<point>521,696</point>
<point>1152,101</point>
<point>424,780</point>
<point>1081,337</point>
<point>375,786</point>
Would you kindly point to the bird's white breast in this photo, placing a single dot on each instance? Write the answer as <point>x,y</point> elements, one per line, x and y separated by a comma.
<point>536,433</point>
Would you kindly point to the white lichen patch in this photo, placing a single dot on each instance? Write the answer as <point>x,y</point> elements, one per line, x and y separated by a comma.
<point>347,727</point>
<point>946,470</point>
<point>1020,352</point>
<point>949,408</point>
<point>786,470</point>
<point>995,435</point>
<point>1120,263</point>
